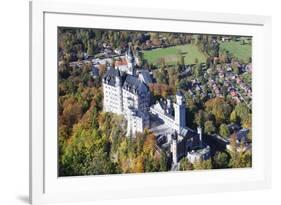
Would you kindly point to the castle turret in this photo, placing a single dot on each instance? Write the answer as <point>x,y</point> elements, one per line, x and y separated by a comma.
<point>137,57</point>
<point>131,61</point>
<point>179,98</point>
<point>199,131</point>
<point>179,108</point>
<point>118,78</point>
<point>169,106</point>
<point>174,149</point>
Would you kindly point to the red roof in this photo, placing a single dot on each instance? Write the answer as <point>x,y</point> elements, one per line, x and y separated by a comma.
<point>121,62</point>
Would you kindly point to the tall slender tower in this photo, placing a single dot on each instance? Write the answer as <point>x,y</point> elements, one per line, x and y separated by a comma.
<point>199,131</point>
<point>174,148</point>
<point>169,109</point>
<point>131,61</point>
<point>179,108</point>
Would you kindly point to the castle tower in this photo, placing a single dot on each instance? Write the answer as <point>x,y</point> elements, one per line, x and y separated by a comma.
<point>131,61</point>
<point>137,57</point>
<point>199,131</point>
<point>174,149</point>
<point>169,106</point>
<point>179,108</point>
<point>118,85</point>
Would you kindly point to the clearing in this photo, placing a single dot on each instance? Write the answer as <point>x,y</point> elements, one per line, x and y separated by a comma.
<point>171,55</point>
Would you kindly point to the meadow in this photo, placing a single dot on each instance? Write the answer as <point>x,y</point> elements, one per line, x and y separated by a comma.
<point>172,54</point>
<point>237,49</point>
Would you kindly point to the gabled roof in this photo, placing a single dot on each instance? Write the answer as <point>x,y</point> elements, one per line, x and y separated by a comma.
<point>134,85</point>
<point>242,134</point>
<point>110,75</point>
<point>187,132</point>
<point>95,70</point>
<point>145,76</point>
<point>161,107</point>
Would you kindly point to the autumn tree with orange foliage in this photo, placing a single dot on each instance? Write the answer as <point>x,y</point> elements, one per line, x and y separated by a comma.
<point>219,108</point>
<point>160,90</point>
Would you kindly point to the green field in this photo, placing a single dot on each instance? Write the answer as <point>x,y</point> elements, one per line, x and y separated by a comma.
<point>171,55</point>
<point>242,52</point>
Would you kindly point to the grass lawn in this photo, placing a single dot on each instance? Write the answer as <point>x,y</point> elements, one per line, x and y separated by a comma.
<point>171,54</point>
<point>242,52</point>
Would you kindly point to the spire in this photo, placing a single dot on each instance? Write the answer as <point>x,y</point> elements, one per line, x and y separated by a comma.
<point>179,93</point>
<point>179,98</point>
<point>131,61</point>
<point>118,72</point>
<point>117,77</point>
<point>199,131</point>
<point>174,149</point>
<point>130,52</point>
<point>179,108</point>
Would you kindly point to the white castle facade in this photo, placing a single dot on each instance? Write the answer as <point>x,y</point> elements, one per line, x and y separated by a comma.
<point>165,112</point>
<point>126,93</point>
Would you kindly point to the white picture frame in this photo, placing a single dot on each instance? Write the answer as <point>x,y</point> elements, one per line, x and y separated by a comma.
<point>46,187</point>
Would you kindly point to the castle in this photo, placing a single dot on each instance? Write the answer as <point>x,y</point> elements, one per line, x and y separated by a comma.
<point>126,93</point>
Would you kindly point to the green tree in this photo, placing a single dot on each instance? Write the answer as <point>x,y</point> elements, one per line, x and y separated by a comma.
<point>163,162</point>
<point>200,118</point>
<point>224,131</point>
<point>233,117</point>
<point>235,69</point>
<point>185,164</point>
<point>94,120</point>
<point>219,108</point>
<point>160,76</point>
<point>203,164</point>
<point>243,112</point>
<point>246,159</point>
<point>221,160</point>
<point>90,51</point>
<point>240,159</point>
<point>209,127</point>
<point>197,70</point>
<point>85,154</point>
